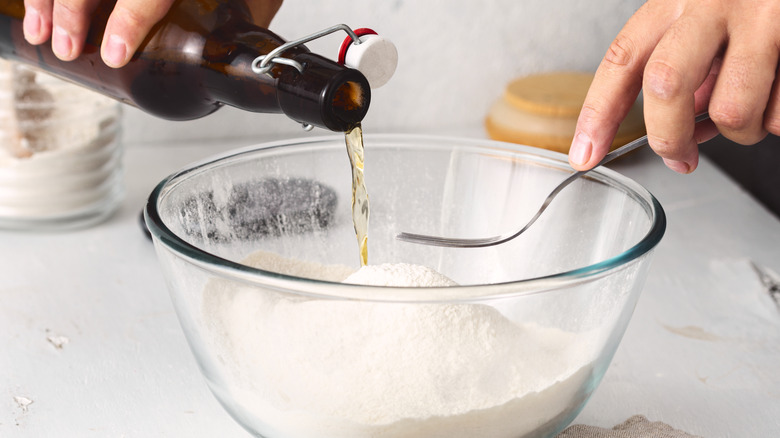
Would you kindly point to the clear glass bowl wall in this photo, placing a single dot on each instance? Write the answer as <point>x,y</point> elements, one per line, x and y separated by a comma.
<point>60,154</point>
<point>578,271</point>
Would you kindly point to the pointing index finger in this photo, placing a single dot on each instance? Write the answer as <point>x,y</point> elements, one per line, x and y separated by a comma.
<point>616,84</point>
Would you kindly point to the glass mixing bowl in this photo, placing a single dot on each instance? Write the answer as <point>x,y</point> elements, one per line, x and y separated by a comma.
<point>254,244</point>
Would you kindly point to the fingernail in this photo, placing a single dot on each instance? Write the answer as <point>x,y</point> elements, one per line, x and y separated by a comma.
<point>61,43</point>
<point>678,166</point>
<point>581,148</point>
<point>32,25</point>
<point>115,51</point>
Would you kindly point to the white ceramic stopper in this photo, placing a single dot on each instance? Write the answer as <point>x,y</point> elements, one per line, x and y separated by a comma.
<point>375,57</point>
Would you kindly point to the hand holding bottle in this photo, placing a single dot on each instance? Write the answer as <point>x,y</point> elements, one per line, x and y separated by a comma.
<point>688,56</point>
<point>167,81</point>
<point>67,22</point>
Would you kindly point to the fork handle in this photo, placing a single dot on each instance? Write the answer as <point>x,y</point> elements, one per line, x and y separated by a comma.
<point>619,152</point>
<point>641,141</point>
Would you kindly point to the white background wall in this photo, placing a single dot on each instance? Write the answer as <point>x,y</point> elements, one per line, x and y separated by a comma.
<point>455,57</point>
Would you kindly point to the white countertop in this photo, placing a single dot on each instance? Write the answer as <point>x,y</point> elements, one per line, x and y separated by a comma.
<point>702,352</point>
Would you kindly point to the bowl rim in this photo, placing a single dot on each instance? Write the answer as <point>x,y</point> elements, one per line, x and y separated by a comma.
<point>164,237</point>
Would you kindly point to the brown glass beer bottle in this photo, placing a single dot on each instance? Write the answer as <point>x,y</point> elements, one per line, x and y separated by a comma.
<point>198,58</point>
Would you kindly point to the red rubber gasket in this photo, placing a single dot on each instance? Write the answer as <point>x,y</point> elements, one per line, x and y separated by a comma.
<point>348,42</point>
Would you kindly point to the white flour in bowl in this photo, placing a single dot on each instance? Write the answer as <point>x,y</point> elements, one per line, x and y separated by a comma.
<point>350,368</point>
<point>398,275</point>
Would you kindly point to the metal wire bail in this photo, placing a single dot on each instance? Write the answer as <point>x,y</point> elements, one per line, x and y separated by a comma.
<point>263,63</point>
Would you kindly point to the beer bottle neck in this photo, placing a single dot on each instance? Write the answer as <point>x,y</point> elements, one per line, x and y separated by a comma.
<point>324,93</point>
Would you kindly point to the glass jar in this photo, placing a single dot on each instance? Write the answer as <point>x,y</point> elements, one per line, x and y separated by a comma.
<point>60,152</point>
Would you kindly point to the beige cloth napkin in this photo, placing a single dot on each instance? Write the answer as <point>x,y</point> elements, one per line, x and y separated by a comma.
<point>635,427</point>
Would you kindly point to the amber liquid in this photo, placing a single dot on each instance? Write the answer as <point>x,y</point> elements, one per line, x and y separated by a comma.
<point>360,210</point>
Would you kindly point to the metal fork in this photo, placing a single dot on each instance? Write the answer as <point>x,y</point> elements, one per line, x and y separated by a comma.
<point>452,242</point>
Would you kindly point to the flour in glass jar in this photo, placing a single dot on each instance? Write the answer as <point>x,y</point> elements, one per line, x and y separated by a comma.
<point>59,147</point>
<point>351,368</point>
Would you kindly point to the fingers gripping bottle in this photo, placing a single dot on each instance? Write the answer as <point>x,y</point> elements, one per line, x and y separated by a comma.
<point>205,54</point>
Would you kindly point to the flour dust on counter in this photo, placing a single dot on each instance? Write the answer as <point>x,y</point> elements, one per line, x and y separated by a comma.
<point>23,402</point>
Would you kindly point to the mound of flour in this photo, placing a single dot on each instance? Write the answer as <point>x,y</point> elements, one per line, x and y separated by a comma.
<point>399,275</point>
<point>351,368</point>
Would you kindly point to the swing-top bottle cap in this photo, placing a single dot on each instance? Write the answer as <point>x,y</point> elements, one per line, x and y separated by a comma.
<point>375,56</point>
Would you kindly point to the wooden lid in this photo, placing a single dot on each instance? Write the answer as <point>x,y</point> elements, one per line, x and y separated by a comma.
<point>542,110</point>
<point>551,94</point>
